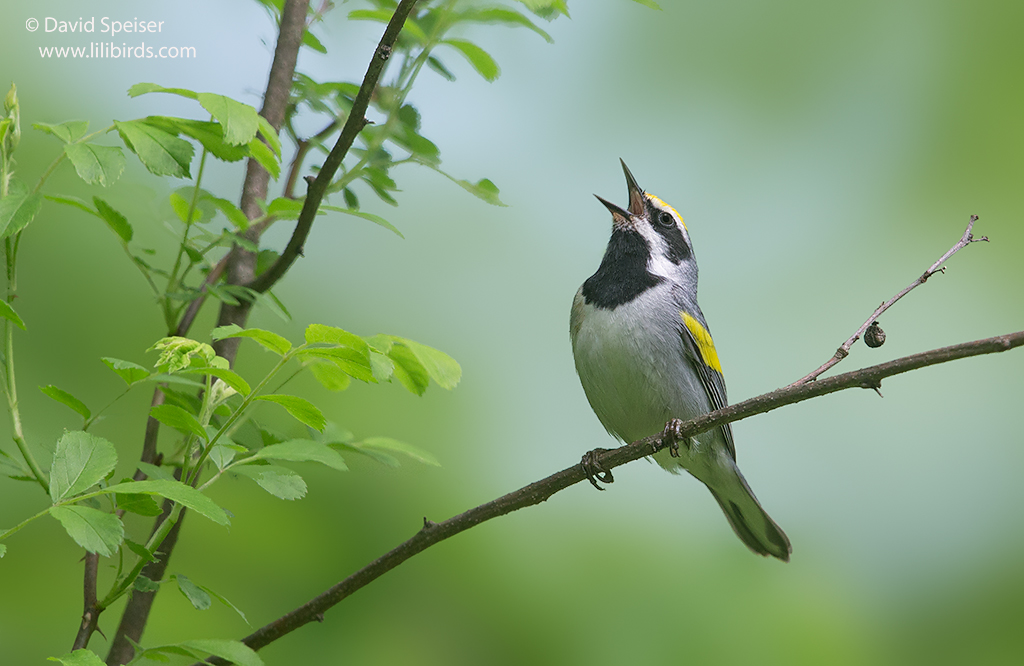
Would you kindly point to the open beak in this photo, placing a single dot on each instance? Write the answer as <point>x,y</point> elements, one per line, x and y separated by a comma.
<point>636,194</point>
<point>620,217</point>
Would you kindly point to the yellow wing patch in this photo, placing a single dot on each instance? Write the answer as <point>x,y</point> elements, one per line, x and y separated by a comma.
<point>704,342</point>
<point>664,205</point>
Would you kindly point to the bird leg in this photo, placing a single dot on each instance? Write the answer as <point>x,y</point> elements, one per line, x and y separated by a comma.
<point>671,436</point>
<point>594,470</point>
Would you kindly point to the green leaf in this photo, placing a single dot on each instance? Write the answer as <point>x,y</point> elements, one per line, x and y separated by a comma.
<point>234,651</point>
<point>80,461</point>
<point>300,408</point>
<point>232,212</point>
<point>381,366</point>
<point>222,454</point>
<point>94,164</point>
<point>7,312</point>
<point>441,367</point>
<point>409,370</point>
<point>271,341</point>
<point>285,209</point>
<point>126,370</point>
<point>303,450</point>
<point>3,550</point>
<point>96,531</point>
<point>154,472</point>
<point>330,376</point>
<point>481,61</point>
<point>179,419</point>
<point>144,505</point>
<point>227,603</point>
<point>178,353</point>
<point>161,152</point>
<point>143,88</point>
<point>506,16</point>
<point>18,208</point>
<point>377,15</point>
<point>339,336</point>
<point>139,549</point>
<point>439,67</point>
<point>72,201</point>
<point>353,362</point>
<point>80,657</point>
<point>68,132</point>
<point>310,40</point>
<point>648,3</point>
<point>143,584</point>
<point>177,492</point>
<point>229,377</point>
<point>269,135</point>
<point>65,398</point>
<point>115,220</point>
<point>376,219</point>
<point>197,596</point>
<point>278,481</point>
<point>389,444</point>
<point>482,189</point>
<point>206,132</point>
<point>238,119</point>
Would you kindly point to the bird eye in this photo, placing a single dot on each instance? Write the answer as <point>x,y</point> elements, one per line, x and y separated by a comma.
<point>665,220</point>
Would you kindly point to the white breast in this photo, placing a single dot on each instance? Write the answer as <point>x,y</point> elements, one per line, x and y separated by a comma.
<point>632,366</point>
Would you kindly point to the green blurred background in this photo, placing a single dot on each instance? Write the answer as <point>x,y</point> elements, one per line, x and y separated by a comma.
<point>822,154</point>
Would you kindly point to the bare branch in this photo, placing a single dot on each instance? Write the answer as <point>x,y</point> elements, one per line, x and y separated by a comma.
<point>535,493</point>
<point>844,349</point>
<point>353,124</point>
<point>89,614</point>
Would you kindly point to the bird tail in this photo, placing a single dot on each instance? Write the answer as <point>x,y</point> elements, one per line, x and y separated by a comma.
<point>751,523</point>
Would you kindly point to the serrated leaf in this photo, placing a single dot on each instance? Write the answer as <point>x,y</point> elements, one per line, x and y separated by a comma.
<point>481,61</point>
<point>198,597</point>
<point>117,222</point>
<point>65,398</point>
<point>96,531</point>
<point>18,208</point>
<point>80,461</point>
<point>332,334</point>
<point>271,341</point>
<point>234,651</point>
<point>177,492</point>
<point>284,208</point>
<point>7,312</point>
<point>303,450</point>
<point>381,366</point>
<point>269,135</point>
<point>80,657</point>
<point>179,419</point>
<point>483,189</point>
<point>300,408</point>
<point>161,152</point>
<point>68,132</point>
<point>178,353</point>
<point>206,132</point>
<point>238,119</point>
<point>441,367</point>
<point>222,454</point>
<point>144,505</point>
<point>389,444</point>
<point>376,219</point>
<point>278,481</point>
<point>94,164</point>
<point>126,370</point>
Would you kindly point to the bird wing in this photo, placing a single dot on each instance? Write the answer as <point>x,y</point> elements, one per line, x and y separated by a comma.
<point>700,349</point>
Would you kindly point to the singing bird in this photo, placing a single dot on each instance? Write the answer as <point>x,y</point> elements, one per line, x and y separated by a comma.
<point>645,356</point>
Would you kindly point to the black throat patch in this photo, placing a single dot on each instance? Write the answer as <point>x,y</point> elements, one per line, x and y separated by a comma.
<point>622,275</point>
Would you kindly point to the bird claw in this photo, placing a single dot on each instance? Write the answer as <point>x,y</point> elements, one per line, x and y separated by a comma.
<point>671,435</point>
<point>594,470</point>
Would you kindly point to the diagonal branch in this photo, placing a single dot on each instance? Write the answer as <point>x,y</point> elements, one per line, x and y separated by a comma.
<point>538,492</point>
<point>353,125</point>
<point>937,267</point>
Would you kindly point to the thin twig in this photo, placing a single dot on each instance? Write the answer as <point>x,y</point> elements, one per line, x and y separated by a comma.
<point>535,493</point>
<point>193,308</point>
<point>937,267</point>
<point>353,125</point>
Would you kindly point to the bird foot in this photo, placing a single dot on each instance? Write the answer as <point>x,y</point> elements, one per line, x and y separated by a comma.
<point>594,470</point>
<point>672,435</point>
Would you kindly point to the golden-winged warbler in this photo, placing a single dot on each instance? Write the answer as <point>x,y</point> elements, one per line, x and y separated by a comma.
<point>645,356</point>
